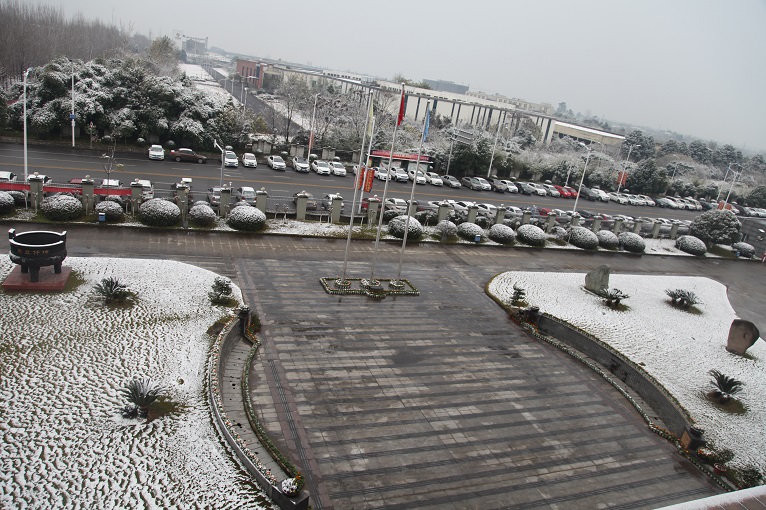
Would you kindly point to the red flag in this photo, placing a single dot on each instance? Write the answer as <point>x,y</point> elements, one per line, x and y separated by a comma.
<point>360,177</point>
<point>401,110</point>
<point>368,180</point>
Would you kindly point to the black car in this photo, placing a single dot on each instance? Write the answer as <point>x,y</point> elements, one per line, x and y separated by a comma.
<point>498,186</point>
<point>588,194</point>
<point>586,213</point>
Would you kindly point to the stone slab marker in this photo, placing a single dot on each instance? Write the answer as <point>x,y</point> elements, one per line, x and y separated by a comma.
<point>598,279</point>
<point>742,335</point>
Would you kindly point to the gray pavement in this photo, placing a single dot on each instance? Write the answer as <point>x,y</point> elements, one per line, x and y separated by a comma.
<point>436,401</point>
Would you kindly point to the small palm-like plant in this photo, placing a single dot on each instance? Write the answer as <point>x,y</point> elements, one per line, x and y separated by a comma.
<point>682,298</point>
<point>141,393</point>
<point>112,290</point>
<point>612,297</point>
<point>725,387</point>
<point>674,295</point>
<point>519,295</point>
<point>221,291</point>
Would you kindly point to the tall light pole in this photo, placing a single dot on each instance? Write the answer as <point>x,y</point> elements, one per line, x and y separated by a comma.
<point>311,133</point>
<point>26,171</point>
<point>582,178</point>
<point>223,158</point>
<point>494,146</point>
<point>244,107</point>
<point>453,135</point>
<point>71,115</point>
<point>736,174</point>
<point>625,167</point>
<point>720,189</point>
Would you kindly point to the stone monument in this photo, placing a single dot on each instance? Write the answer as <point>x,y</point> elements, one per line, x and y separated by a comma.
<point>598,279</point>
<point>742,334</point>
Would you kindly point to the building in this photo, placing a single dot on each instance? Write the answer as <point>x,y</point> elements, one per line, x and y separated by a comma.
<point>446,86</point>
<point>583,134</point>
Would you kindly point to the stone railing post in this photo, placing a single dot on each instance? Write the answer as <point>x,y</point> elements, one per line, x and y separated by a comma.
<point>36,189</point>
<point>261,199</point>
<point>637,226</point>
<point>301,199</point>
<point>656,230</point>
<point>443,212</point>
<point>336,208</point>
<point>575,220</point>
<point>88,194</point>
<point>372,210</point>
<point>224,203</point>
<point>550,222</point>
<point>525,217</point>
<point>413,207</point>
<point>596,224</point>
<point>500,215</point>
<point>617,226</point>
<point>136,191</point>
<point>674,231</point>
<point>472,212</point>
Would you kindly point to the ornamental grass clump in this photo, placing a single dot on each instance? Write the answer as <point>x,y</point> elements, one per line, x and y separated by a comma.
<point>7,202</point>
<point>531,235</point>
<point>113,290</point>
<point>446,228</point>
<point>140,394</point>
<point>682,298</point>
<point>691,245</point>
<point>607,239</point>
<point>469,231</point>
<point>202,215</point>
<point>396,227</point>
<point>612,297</point>
<point>631,242</point>
<point>724,387</point>
<point>159,213</point>
<point>502,234</point>
<point>519,296</point>
<point>745,250</point>
<point>583,238</point>
<point>61,208</point>
<point>112,210</point>
<point>249,219</point>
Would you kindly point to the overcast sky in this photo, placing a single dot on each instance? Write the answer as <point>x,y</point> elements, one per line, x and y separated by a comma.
<point>697,67</point>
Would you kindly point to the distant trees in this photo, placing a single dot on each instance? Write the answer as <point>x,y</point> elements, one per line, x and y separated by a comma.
<point>647,179</point>
<point>642,146</point>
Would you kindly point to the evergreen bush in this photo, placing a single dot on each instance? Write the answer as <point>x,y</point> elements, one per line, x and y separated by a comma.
<point>631,242</point>
<point>397,225</point>
<point>745,250</point>
<point>389,214</point>
<point>7,202</point>
<point>691,245</point>
<point>248,218</point>
<point>607,239</point>
<point>19,197</point>
<point>202,215</point>
<point>583,238</point>
<point>716,227</point>
<point>221,292</point>
<point>111,210</point>
<point>531,235</point>
<point>482,221</point>
<point>446,227</point>
<point>502,234</point>
<point>159,213</point>
<point>61,208</point>
<point>427,217</point>
<point>469,231</point>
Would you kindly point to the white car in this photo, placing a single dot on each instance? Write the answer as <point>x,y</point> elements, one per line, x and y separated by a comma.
<point>156,152</point>
<point>514,211</point>
<point>396,204</point>
<point>538,188</point>
<point>551,191</point>
<point>400,175</point>
<point>618,197</point>
<point>321,167</point>
<point>327,201</point>
<point>382,174</point>
<point>451,181</point>
<point>249,160</point>
<point>485,185</point>
<point>338,168</point>
<point>276,162</point>
<point>488,210</point>
<point>420,177</point>
<point>300,164</point>
<point>230,159</point>
<point>434,179</point>
<point>511,186</point>
<point>601,194</point>
<point>462,205</point>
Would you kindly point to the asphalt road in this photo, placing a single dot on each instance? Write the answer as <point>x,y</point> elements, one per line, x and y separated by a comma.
<point>63,164</point>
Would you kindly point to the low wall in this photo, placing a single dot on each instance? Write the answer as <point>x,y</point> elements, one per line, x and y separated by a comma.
<point>662,403</point>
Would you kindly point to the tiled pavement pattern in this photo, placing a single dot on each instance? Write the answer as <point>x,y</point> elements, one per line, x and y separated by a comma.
<point>437,401</point>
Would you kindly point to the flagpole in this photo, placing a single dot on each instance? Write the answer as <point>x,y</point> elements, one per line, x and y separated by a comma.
<point>412,192</point>
<point>385,188</point>
<point>360,175</point>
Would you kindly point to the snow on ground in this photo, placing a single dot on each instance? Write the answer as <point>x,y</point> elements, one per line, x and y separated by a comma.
<point>677,347</point>
<point>196,72</point>
<point>64,358</point>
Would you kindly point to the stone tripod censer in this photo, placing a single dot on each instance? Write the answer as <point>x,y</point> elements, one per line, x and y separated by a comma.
<point>36,249</point>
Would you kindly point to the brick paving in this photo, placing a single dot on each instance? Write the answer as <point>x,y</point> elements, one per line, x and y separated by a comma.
<point>436,401</point>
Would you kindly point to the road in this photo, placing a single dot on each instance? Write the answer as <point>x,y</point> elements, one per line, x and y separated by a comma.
<point>63,164</point>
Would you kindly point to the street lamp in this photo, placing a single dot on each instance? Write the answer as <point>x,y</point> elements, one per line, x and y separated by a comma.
<point>582,177</point>
<point>724,180</point>
<point>26,172</point>
<point>311,134</point>
<point>244,107</point>
<point>453,135</point>
<point>223,158</point>
<point>736,174</point>
<point>71,116</point>
<point>494,146</point>
<point>625,167</point>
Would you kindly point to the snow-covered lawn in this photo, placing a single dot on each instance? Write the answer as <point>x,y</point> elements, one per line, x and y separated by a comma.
<point>64,358</point>
<point>677,347</point>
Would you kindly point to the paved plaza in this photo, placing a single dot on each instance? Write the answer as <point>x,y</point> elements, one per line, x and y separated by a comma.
<point>436,401</point>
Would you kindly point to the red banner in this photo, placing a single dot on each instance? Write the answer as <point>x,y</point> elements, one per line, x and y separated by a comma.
<point>360,177</point>
<point>621,178</point>
<point>368,179</point>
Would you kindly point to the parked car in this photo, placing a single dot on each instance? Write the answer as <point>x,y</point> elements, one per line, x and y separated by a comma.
<point>7,177</point>
<point>497,184</point>
<point>337,168</point>
<point>382,174</point>
<point>565,193</point>
<point>245,193</point>
<point>156,152</point>
<point>230,159</point>
<point>300,164</point>
<point>551,190</point>
<point>214,196</point>
<point>327,199</point>
<point>400,175</point>
<point>647,200</point>
<point>321,167</point>
<point>588,194</point>
<point>187,155</point>
<point>311,202</point>
<point>530,188</point>
<point>451,181</point>
<point>572,191</point>
<point>539,189</point>
<point>418,175</point>
<point>666,202</point>
<point>249,160</point>
<point>434,179</point>
<point>431,205</point>
<point>276,162</point>
<point>485,185</point>
<point>510,186</point>
<point>586,213</point>
<point>618,197</point>
<point>601,194</point>
<point>513,211</point>
<point>396,204</point>
<point>111,183</point>
<point>488,210</point>
<point>463,205</point>
<point>471,183</point>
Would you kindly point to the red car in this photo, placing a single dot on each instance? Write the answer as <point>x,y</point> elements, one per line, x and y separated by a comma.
<point>565,193</point>
<point>543,211</point>
<point>572,191</point>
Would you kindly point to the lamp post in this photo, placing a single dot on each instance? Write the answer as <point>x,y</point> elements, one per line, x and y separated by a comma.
<point>223,158</point>
<point>244,107</point>
<point>71,116</point>
<point>494,146</point>
<point>451,145</point>
<point>24,106</point>
<point>736,174</point>
<point>625,167</point>
<point>582,178</point>
<point>724,180</point>
<point>311,133</point>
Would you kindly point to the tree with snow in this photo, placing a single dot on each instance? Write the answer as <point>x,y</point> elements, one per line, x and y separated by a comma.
<point>716,227</point>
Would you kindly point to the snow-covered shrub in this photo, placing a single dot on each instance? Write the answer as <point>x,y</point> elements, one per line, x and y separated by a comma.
<point>140,142</point>
<point>19,197</point>
<point>745,250</point>
<point>560,233</point>
<point>7,203</point>
<point>583,238</point>
<point>691,245</point>
<point>631,242</point>
<point>446,228</point>
<point>159,213</point>
<point>607,239</point>
<point>469,231</point>
<point>61,208</point>
<point>716,227</point>
<point>531,235</point>
<point>457,217</point>
<point>397,225</point>
<point>106,139</point>
<point>202,215</point>
<point>111,210</point>
<point>117,199</point>
<point>482,221</point>
<point>502,234</point>
<point>246,218</point>
<point>389,214</point>
<point>240,203</point>
<point>512,222</point>
<point>427,217</point>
